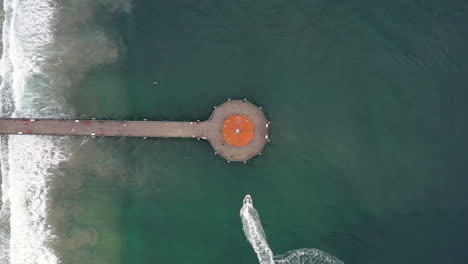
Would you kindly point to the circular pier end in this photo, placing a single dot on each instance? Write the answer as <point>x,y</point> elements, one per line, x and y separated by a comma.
<point>238,130</point>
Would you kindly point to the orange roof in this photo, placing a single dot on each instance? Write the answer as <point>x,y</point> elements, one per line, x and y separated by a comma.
<point>238,130</point>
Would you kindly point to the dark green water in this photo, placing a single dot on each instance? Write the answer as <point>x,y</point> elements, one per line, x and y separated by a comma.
<point>368,158</point>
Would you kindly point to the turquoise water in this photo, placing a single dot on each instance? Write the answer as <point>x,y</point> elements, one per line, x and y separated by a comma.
<point>368,158</point>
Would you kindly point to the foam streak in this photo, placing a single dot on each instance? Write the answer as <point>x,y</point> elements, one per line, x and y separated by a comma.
<point>27,161</point>
<point>256,236</point>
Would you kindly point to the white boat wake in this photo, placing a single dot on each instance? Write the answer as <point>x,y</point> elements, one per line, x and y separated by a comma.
<point>256,236</point>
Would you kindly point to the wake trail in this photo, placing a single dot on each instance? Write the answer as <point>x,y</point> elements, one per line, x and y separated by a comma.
<point>254,232</point>
<point>256,236</point>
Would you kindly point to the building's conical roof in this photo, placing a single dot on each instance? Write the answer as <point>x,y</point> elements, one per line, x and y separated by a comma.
<point>238,130</point>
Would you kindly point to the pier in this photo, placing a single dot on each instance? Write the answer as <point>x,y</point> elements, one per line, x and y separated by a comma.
<point>237,130</point>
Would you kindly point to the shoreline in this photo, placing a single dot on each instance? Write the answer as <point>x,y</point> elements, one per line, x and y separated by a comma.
<point>2,17</point>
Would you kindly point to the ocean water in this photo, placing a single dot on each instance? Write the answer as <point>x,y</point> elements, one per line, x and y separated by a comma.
<point>367,103</point>
<point>255,234</point>
<point>48,48</point>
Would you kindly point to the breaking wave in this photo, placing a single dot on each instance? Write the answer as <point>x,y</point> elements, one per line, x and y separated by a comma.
<point>256,236</point>
<point>42,61</point>
<point>27,161</point>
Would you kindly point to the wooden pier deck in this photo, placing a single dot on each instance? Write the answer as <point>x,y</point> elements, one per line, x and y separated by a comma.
<point>210,129</point>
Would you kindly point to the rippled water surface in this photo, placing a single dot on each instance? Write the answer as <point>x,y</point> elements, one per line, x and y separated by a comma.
<point>367,102</point>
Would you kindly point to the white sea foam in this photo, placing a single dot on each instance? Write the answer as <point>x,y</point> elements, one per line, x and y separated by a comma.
<point>256,236</point>
<point>30,159</point>
<point>254,232</point>
<point>5,209</point>
<point>307,256</point>
<point>27,160</point>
